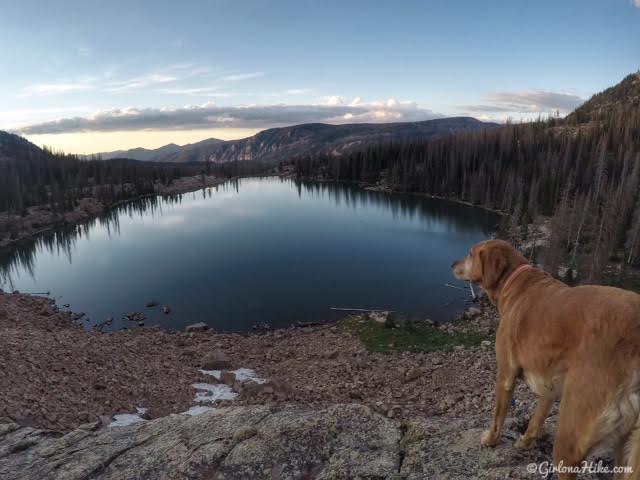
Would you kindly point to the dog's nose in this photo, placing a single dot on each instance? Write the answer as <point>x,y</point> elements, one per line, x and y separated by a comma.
<point>453,265</point>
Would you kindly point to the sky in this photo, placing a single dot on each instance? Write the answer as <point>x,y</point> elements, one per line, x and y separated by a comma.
<point>86,76</point>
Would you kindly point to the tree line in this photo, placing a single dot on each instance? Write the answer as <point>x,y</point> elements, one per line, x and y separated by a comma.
<point>32,176</point>
<point>581,172</point>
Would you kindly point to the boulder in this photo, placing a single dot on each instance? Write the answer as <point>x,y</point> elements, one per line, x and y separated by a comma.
<point>274,389</point>
<point>331,354</point>
<point>196,327</point>
<point>413,374</point>
<point>228,378</point>
<point>216,361</point>
<point>136,317</point>
<point>473,312</point>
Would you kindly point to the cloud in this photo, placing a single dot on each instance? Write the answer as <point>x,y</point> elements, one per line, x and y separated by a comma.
<point>84,51</point>
<point>198,91</point>
<point>636,3</point>
<point>109,82</point>
<point>242,76</point>
<point>532,101</point>
<point>210,115</point>
<point>142,81</point>
<point>334,100</point>
<point>55,88</point>
<point>301,91</point>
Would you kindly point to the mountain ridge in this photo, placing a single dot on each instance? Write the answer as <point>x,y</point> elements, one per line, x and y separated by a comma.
<point>281,143</point>
<point>148,154</point>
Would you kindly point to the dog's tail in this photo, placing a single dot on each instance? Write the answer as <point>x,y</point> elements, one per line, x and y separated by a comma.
<point>631,452</point>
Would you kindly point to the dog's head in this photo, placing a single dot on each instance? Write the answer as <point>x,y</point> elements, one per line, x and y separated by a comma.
<point>488,263</point>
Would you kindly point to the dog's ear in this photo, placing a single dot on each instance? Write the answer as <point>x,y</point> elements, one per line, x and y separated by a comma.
<point>494,263</point>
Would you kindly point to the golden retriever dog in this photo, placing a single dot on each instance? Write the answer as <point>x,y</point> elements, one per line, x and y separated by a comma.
<point>577,344</point>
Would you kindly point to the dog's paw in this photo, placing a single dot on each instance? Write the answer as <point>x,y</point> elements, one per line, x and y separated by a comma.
<point>524,443</point>
<point>488,439</point>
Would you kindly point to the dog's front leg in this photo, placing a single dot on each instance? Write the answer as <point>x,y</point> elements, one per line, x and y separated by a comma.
<point>505,383</point>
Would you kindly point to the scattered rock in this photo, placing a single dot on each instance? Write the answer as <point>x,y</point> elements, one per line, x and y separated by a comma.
<point>413,374</point>
<point>196,327</point>
<point>271,390</point>
<point>228,378</point>
<point>473,311</point>
<point>261,327</point>
<point>156,369</point>
<point>189,352</point>
<point>166,310</point>
<point>378,316</point>
<point>216,361</point>
<point>136,317</point>
<point>332,354</point>
<point>152,303</point>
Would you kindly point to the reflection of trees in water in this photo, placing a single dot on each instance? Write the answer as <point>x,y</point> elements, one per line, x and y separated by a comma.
<point>430,212</point>
<point>62,241</point>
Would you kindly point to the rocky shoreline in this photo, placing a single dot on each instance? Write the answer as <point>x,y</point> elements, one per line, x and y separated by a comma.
<point>57,375</point>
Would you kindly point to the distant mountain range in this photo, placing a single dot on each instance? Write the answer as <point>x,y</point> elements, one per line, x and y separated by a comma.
<point>192,152</point>
<point>284,143</point>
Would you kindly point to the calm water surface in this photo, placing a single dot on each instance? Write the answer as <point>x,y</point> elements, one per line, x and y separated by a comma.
<point>252,251</point>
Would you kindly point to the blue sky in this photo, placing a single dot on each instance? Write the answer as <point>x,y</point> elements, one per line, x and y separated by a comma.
<point>93,75</point>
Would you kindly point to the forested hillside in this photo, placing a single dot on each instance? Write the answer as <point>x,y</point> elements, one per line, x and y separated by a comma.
<point>32,176</point>
<point>582,171</point>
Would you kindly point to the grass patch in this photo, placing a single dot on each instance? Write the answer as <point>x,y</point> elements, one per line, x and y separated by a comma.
<point>407,336</point>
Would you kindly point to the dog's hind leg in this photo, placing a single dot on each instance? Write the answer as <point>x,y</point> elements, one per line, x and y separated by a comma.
<point>535,423</point>
<point>579,421</point>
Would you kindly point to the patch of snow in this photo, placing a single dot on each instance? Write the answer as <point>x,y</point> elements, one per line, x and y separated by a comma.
<point>197,410</point>
<point>242,374</point>
<point>210,393</point>
<point>124,419</point>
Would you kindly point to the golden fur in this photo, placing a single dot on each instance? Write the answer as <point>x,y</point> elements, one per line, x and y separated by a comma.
<point>580,345</point>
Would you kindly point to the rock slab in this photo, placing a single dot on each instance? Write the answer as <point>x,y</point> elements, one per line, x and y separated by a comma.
<point>344,441</point>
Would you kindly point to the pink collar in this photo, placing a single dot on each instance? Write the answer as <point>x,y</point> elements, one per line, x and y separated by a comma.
<point>514,274</point>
